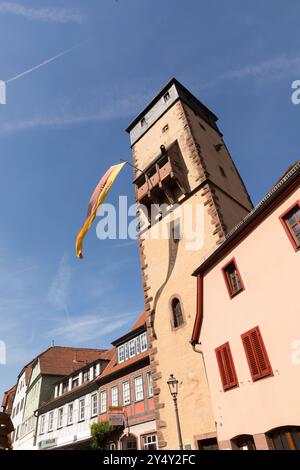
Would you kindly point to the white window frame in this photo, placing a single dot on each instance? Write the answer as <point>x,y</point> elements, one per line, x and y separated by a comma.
<point>152,438</point>
<point>42,426</point>
<point>94,404</point>
<point>150,385</point>
<point>60,417</point>
<point>126,394</point>
<point>114,395</point>
<point>132,348</point>
<point>126,347</point>
<point>87,374</point>
<point>70,413</point>
<point>144,342</point>
<point>139,388</point>
<point>81,409</point>
<point>121,353</point>
<point>103,401</point>
<point>75,379</point>
<point>138,345</point>
<point>50,421</point>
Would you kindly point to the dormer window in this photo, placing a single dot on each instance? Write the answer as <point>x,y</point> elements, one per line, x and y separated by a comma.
<point>133,347</point>
<point>75,382</point>
<point>86,376</point>
<point>121,354</point>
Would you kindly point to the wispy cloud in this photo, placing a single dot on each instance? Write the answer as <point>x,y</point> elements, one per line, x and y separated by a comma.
<point>48,14</point>
<point>119,108</point>
<point>87,328</point>
<point>276,68</point>
<point>59,291</point>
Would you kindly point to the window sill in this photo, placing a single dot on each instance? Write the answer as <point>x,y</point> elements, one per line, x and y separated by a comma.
<point>139,401</point>
<point>177,328</point>
<point>230,388</point>
<point>267,376</point>
<point>232,295</point>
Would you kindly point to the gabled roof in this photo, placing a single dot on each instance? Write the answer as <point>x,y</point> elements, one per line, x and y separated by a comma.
<point>106,356</point>
<point>60,360</point>
<point>8,395</point>
<point>28,369</point>
<point>182,89</point>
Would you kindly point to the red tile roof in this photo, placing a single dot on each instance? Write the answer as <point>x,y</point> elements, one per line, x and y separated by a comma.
<point>8,398</point>
<point>28,369</point>
<point>59,360</point>
<point>105,356</point>
<point>140,321</point>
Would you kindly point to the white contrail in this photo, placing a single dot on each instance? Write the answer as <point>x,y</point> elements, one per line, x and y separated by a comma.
<point>45,62</point>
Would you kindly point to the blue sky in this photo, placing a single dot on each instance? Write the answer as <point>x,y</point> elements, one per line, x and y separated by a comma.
<point>63,125</point>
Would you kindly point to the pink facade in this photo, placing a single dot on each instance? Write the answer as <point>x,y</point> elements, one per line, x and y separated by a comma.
<point>260,393</point>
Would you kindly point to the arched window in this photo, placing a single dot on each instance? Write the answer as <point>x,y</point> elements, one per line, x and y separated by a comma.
<point>177,313</point>
<point>243,442</point>
<point>129,442</point>
<point>285,438</point>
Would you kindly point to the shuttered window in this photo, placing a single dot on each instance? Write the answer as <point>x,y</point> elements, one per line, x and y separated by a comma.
<point>226,367</point>
<point>256,354</point>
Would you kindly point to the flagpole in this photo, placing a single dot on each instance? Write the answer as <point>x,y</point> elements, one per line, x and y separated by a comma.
<point>130,164</point>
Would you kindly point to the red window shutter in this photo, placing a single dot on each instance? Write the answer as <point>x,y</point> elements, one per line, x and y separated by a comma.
<point>256,354</point>
<point>226,367</point>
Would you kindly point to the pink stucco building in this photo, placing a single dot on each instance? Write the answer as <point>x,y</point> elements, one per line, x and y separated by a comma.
<point>248,324</point>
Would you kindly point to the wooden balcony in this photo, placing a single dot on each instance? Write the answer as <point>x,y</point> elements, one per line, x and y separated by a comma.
<point>161,177</point>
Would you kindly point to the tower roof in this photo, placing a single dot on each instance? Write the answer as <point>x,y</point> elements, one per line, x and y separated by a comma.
<point>158,106</point>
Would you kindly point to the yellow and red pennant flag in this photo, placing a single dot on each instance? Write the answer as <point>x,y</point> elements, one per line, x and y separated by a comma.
<point>101,191</point>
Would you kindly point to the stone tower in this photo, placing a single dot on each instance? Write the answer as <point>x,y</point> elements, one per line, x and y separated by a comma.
<point>181,160</point>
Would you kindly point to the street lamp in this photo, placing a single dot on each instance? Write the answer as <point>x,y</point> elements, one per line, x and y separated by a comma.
<point>173,387</point>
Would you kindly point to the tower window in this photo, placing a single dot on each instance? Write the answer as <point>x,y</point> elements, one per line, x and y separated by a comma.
<point>165,128</point>
<point>222,171</point>
<point>218,147</point>
<point>166,97</point>
<point>177,316</point>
